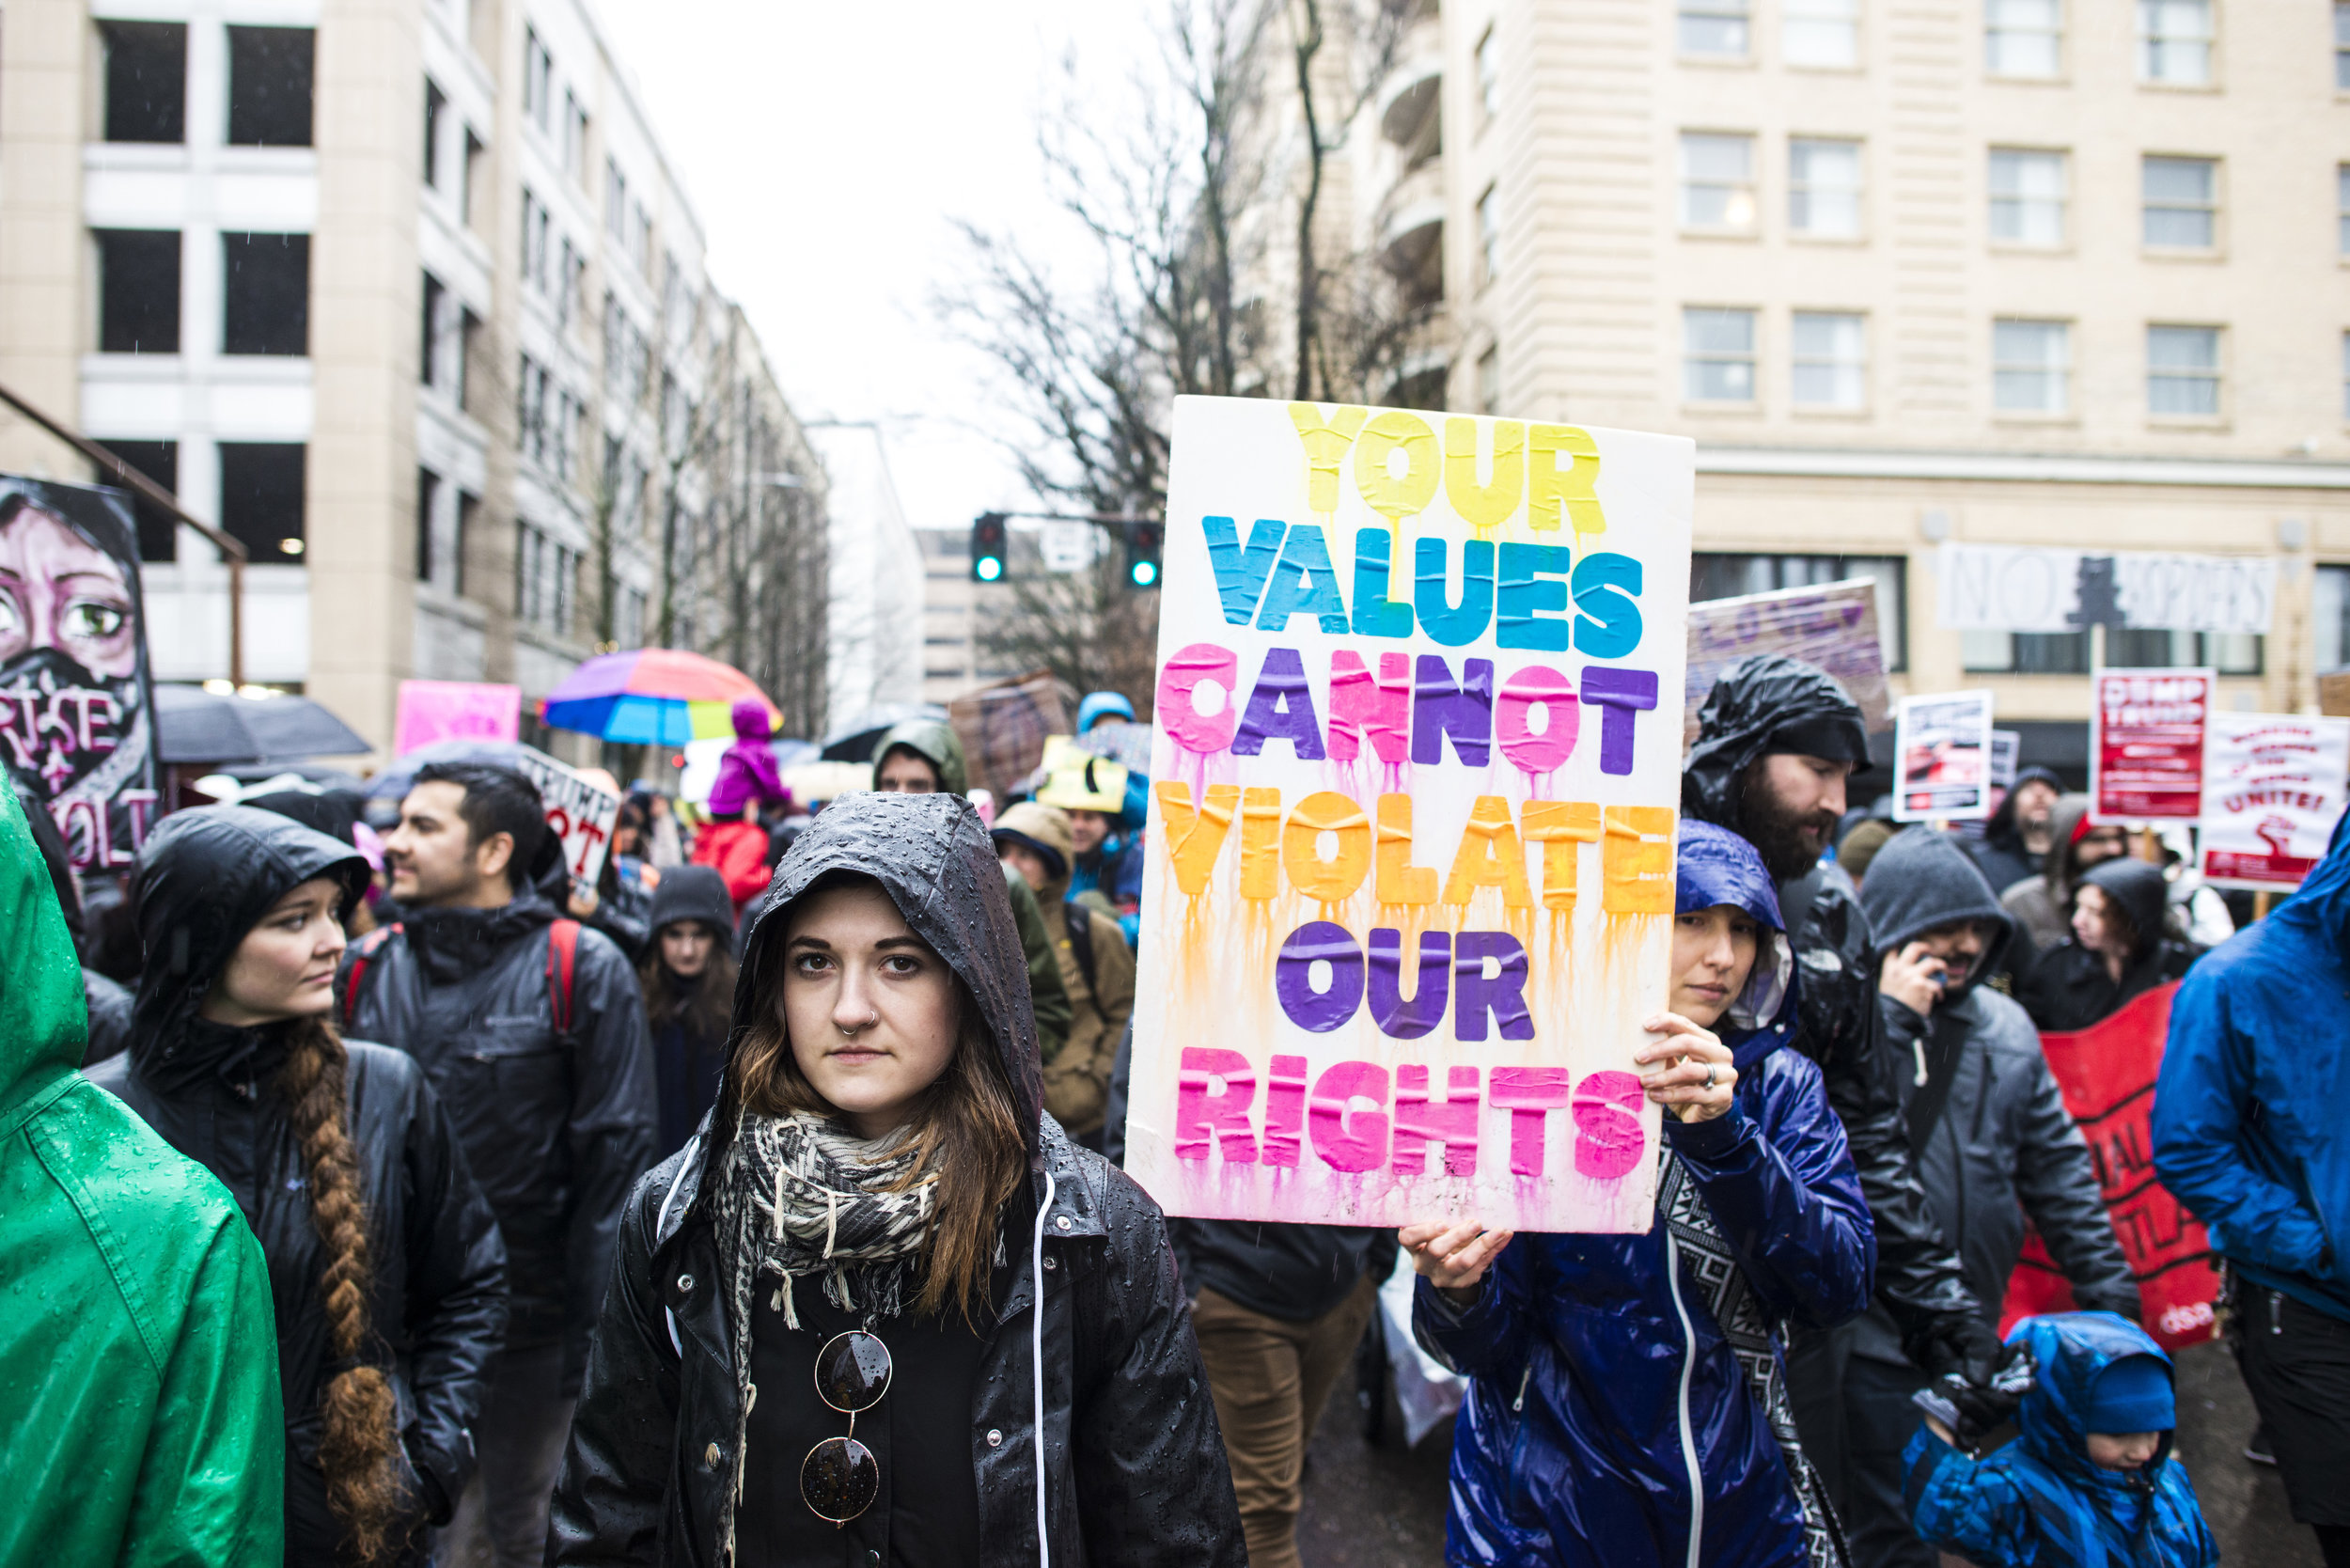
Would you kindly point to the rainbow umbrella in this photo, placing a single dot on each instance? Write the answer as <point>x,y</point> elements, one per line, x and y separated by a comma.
<point>651,696</point>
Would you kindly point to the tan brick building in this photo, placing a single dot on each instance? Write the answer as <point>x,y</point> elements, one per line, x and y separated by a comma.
<point>2057,271</point>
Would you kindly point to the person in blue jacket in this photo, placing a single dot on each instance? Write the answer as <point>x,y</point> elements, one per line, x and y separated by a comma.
<point>2088,1482</point>
<point>2249,1133</point>
<point>1627,1393</point>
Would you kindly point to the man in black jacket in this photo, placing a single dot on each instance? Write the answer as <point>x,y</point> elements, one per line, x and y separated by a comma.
<point>555,1114</point>
<point>1776,740</point>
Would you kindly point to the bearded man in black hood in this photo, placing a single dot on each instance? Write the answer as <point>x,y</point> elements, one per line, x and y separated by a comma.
<point>1776,740</point>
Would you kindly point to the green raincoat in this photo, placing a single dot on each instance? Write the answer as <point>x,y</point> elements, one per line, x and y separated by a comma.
<point>138,1356</point>
<point>935,742</point>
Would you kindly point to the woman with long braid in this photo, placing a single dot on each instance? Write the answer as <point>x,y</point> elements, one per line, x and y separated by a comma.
<point>386,1267</point>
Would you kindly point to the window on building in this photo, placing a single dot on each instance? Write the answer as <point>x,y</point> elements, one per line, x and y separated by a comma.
<point>1488,79</point>
<point>2024,652</point>
<point>2329,615</point>
<point>1824,188</point>
<point>538,79</point>
<point>1716,182</point>
<point>2228,653</point>
<point>574,135</point>
<point>435,327</point>
<point>2182,373</point>
<point>1831,360</point>
<point>2174,43</point>
<point>474,150</point>
<point>570,277</point>
<point>546,581</point>
<point>1822,32</point>
<point>2027,196</point>
<point>468,344</point>
<point>260,498</point>
<point>1718,354</point>
<point>530,410</point>
<point>147,81</point>
<point>1489,382</point>
<point>270,71</point>
<point>159,531</point>
<point>2181,202</point>
<point>2342,207</point>
<point>265,306</point>
<point>614,201</point>
<point>428,506</point>
<point>641,237</point>
<point>1488,237</point>
<point>468,513</point>
<point>2342,45</point>
<point>2031,366</point>
<point>534,254</point>
<point>1719,28</point>
<point>138,290</point>
<point>2345,375</point>
<point>2022,37</point>
<point>1727,576</point>
<point>435,105</point>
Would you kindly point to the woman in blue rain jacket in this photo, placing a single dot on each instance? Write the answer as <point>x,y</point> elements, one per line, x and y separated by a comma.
<point>2039,1500</point>
<point>1610,1418</point>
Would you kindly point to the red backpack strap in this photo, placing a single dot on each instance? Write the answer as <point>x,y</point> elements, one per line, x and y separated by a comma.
<point>562,957</point>
<point>362,955</point>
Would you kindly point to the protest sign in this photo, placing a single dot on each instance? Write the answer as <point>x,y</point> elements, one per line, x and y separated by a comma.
<point>77,711</point>
<point>2009,588</point>
<point>1415,778</point>
<point>2006,746</point>
<point>1942,757</point>
<point>1003,728</point>
<point>2146,743</point>
<point>1833,625</point>
<point>429,710</point>
<point>2273,789</point>
<point>2107,1072</point>
<point>578,814</point>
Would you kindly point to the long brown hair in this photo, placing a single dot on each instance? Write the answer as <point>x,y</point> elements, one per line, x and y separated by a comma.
<point>359,1443</point>
<point>967,1129</point>
<point>707,1006</point>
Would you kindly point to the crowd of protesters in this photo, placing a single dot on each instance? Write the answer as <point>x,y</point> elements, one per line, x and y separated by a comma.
<point>448,1211</point>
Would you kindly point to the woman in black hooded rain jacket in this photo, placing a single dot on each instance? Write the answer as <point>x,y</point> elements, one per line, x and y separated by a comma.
<point>341,1161</point>
<point>881,1310</point>
<point>2119,948</point>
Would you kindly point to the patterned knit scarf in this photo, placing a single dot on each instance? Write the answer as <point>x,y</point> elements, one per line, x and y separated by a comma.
<point>1708,1258</point>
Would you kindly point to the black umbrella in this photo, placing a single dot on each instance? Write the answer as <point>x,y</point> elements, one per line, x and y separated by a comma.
<point>195,726</point>
<point>854,740</point>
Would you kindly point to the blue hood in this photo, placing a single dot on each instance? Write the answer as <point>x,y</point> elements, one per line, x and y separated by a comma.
<point>1714,865</point>
<point>1098,706</point>
<point>2071,1349</point>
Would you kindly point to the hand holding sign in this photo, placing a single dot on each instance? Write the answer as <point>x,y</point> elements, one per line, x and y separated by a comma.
<point>1698,1084</point>
<point>1454,1257</point>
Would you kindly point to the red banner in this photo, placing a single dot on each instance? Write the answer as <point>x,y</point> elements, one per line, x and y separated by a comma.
<point>2108,1075</point>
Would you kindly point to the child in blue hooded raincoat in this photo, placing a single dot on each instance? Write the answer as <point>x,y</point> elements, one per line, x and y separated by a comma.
<point>2041,1501</point>
<point>1627,1393</point>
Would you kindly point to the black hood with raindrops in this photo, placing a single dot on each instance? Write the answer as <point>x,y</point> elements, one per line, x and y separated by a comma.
<point>1752,700</point>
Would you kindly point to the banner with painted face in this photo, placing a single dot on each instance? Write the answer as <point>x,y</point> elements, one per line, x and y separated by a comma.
<point>1415,771</point>
<point>77,723</point>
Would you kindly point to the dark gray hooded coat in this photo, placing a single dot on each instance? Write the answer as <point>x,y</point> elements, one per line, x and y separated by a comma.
<point>2004,1148</point>
<point>438,1309</point>
<point>1134,1466</point>
<point>1917,1272</point>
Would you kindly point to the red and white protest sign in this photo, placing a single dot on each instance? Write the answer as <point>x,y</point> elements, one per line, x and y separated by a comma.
<point>2273,789</point>
<point>579,813</point>
<point>2146,743</point>
<point>2108,1075</point>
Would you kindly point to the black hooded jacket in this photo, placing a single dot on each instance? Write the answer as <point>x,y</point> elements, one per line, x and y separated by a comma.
<point>438,1309</point>
<point>2069,987</point>
<point>1917,1271</point>
<point>555,1125</point>
<point>1135,1467</point>
<point>1999,854</point>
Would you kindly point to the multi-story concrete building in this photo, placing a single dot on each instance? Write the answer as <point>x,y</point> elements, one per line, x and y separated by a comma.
<point>2038,272</point>
<point>407,299</point>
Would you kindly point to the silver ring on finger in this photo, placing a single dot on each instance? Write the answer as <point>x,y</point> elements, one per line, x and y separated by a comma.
<point>1708,1078</point>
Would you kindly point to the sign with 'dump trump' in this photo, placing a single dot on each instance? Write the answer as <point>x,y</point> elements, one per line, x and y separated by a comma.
<point>1415,776</point>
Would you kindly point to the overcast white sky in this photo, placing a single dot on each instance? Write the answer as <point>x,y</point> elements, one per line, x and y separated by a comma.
<point>827,146</point>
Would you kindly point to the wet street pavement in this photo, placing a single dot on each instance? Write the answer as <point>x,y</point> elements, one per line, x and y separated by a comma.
<point>1382,1506</point>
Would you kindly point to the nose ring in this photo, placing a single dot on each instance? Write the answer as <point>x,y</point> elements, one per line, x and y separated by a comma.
<point>851,1029</point>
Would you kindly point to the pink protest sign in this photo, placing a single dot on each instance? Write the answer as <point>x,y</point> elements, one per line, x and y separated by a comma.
<point>1414,791</point>
<point>455,711</point>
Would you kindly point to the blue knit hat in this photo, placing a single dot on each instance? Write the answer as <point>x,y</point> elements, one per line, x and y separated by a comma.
<point>2133,1395</point>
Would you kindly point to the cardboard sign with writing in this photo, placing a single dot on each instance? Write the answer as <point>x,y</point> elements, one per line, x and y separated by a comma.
<point>580,814</point>
<point>1414,780</point>
<point>429,710</point>
<point>2146,743</point>
<point>1942,757</point>
<point>1833,625</point>
<point>2108,1072</point>
<point>2273,789</point>
<point>2024,588</point>
<point>77,710</point>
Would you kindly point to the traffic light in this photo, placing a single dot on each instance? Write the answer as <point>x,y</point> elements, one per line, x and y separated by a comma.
<point>987,547</point>
<point>1142,554</point>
